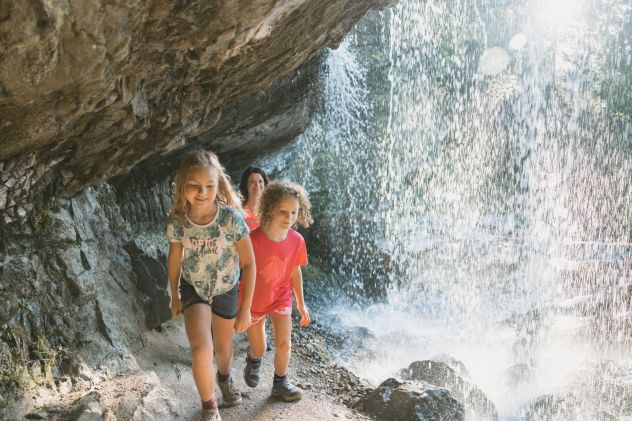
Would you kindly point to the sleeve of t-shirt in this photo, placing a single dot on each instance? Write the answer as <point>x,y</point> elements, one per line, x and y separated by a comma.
<point>240,228</point>
<point>174,231</point>
<point>301,253</point>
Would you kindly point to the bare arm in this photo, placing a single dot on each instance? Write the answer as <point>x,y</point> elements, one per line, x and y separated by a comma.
<point>248,269</point>
<point>174,271</point>
<point>297,286</point>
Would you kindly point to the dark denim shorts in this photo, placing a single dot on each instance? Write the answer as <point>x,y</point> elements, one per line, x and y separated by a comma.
<point>224,305</point>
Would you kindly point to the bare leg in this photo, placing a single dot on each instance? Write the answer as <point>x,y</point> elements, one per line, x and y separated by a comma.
<point>223,330</point>
<point>197,321</point>
<point>257,339</point>
<point>282,326</point>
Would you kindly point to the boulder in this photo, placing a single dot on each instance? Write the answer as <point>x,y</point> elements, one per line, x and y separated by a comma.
<point>395,400</point>
<point>443,374</point>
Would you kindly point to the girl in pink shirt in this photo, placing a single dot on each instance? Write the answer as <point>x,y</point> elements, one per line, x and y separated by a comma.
<point>279,254</point>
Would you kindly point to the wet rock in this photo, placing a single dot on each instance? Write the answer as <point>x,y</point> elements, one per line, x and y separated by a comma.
<point>394,400</point>
<point>552,407</point>
<point>517,375</point>
<point>441,374</point>
<point>376,278</point>
<point>457,365</point>
<point>602,391</point>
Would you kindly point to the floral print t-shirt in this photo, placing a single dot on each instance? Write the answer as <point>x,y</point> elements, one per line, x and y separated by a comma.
<point>210,263</point>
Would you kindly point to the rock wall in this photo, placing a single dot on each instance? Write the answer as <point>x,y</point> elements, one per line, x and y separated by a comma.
<point>258,125</point>
<point>90,89</point>
<point>71,304</point>
<point>119,90</point>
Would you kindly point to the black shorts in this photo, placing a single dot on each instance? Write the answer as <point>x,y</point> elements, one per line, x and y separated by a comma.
<point>224,305</point>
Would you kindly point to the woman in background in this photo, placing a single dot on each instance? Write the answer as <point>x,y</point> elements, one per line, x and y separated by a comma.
<point>253,181</point>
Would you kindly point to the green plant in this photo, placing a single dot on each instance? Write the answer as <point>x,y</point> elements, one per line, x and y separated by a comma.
<point>10,378</point>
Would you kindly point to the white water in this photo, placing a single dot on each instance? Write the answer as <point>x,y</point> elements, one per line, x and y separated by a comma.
<point>500,182</point>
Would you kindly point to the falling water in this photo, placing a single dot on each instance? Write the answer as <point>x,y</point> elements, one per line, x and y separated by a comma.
<point>487,173</point>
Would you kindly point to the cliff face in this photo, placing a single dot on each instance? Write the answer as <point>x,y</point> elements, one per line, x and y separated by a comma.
<point>88,90</point>
<point>118,90</point>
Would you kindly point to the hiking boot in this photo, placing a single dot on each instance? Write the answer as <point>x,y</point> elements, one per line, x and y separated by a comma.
<point>251,371</point>
<point>210,415</point>
<point>285,390</point>
<point>230,395</point>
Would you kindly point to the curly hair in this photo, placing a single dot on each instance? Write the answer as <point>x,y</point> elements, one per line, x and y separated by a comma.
<point>243,184</point>
<point>225,192</point>
<point>279,190</point>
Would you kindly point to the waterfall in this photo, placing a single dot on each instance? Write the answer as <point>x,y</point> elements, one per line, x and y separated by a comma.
<point>484,159</point>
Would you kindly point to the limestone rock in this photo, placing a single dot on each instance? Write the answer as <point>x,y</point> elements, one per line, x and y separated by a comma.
<point>144,398</point>
<point>93,90</point>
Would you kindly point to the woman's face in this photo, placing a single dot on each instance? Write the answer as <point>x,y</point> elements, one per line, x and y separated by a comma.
<point>255,186</point>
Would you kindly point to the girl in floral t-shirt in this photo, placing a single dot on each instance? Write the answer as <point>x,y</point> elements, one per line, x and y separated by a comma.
<point>209,247</point>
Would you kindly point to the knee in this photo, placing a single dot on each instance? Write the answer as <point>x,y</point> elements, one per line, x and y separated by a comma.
<point>223,348</point>
<point>201,349</point>
<point>283,346</point>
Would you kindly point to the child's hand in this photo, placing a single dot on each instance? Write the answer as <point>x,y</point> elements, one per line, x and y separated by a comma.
<point>243,320</point>
<point>175,306</point>
<point>305,318</point>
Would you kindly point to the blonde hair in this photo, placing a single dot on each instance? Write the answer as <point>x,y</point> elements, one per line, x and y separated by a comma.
<point>279,190</point>
<point>225,193</point>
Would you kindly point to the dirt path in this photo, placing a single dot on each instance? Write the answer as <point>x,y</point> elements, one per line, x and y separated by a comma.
<point>167,354</point>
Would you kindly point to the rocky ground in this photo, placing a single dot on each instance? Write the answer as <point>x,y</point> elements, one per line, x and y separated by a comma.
<point>163,388</point>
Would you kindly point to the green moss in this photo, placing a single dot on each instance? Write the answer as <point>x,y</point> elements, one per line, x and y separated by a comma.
<point>43,351</point>
<point>11,377</point>
<point>42,218</point>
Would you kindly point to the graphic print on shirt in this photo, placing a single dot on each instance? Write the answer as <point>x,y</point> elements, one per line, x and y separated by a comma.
<point>211,261</point>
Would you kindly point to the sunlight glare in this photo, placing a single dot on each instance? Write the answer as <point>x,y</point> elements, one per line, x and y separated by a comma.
<point>558,13</point>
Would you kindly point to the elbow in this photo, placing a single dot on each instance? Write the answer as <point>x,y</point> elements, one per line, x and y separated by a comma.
<point>248,267</point>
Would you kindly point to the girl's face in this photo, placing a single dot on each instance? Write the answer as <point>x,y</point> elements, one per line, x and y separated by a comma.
<point>285,214</point>
<point>200,190</point>
<point>256,185</point>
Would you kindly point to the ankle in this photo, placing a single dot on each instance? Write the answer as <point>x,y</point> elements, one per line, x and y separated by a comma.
<point>253,359</point>
<point>222,377</point>
<point>278,378</point>
<point>209,404</point>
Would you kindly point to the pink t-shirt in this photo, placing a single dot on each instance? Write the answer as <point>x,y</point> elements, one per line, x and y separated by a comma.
<point>275,264</point>
<point>251,218</point>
